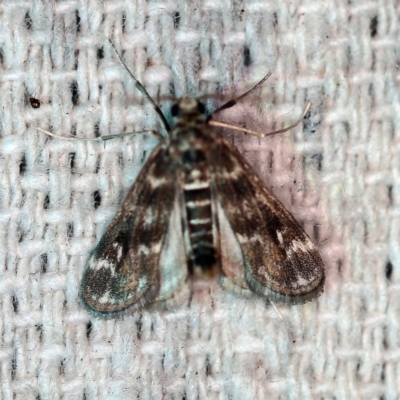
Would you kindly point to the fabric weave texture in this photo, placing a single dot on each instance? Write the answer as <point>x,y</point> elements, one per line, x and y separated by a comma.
<point>338,173</point>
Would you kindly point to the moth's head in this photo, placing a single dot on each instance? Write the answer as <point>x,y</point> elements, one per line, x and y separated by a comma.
<point>188,107</point>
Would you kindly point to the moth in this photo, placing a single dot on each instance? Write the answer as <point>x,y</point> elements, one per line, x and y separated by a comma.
<point>197,207</point>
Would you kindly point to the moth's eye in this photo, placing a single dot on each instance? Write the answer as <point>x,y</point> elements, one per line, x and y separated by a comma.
<point>175,110</point>
<point>201,108</point>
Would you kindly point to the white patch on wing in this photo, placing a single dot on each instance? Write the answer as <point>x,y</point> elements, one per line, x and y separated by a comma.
<point>149,217</point>
<point>142,283</point>
<point>156,247</point>
<point>241,238</point>
<point>245,239</point>
<point>105,298</point>
<point>97,264</point>
<point>305,246</point>
<point>280,237</point>
<point>301,282</point>
<point>297,246</point>
<point>234,174</point>
<point>118,248</point>
<point>155,182</point>
<point>144,250</point>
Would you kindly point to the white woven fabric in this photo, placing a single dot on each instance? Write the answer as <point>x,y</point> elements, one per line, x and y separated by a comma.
<point>339,174</point>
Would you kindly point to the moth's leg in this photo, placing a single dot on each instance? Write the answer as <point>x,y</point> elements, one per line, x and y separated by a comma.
<point>232,102</point>
<point>260,134</point>
<point>100,138</point>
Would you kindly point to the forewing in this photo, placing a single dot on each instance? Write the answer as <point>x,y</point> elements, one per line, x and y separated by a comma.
<point>123,271</point>
<point>280,261</point>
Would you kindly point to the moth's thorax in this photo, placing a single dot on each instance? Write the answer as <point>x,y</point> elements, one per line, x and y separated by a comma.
<point>187,139</point>
<point>189,106</point>
<point>188,113</point>
<point>190,133</point>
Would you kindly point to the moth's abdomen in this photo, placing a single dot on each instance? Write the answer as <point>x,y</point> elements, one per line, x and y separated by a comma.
<point>199,213</point>
<point>199,216</point>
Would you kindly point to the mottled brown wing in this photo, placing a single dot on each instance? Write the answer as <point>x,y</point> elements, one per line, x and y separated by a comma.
<point>279,259</point>
<point>123,271</point>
